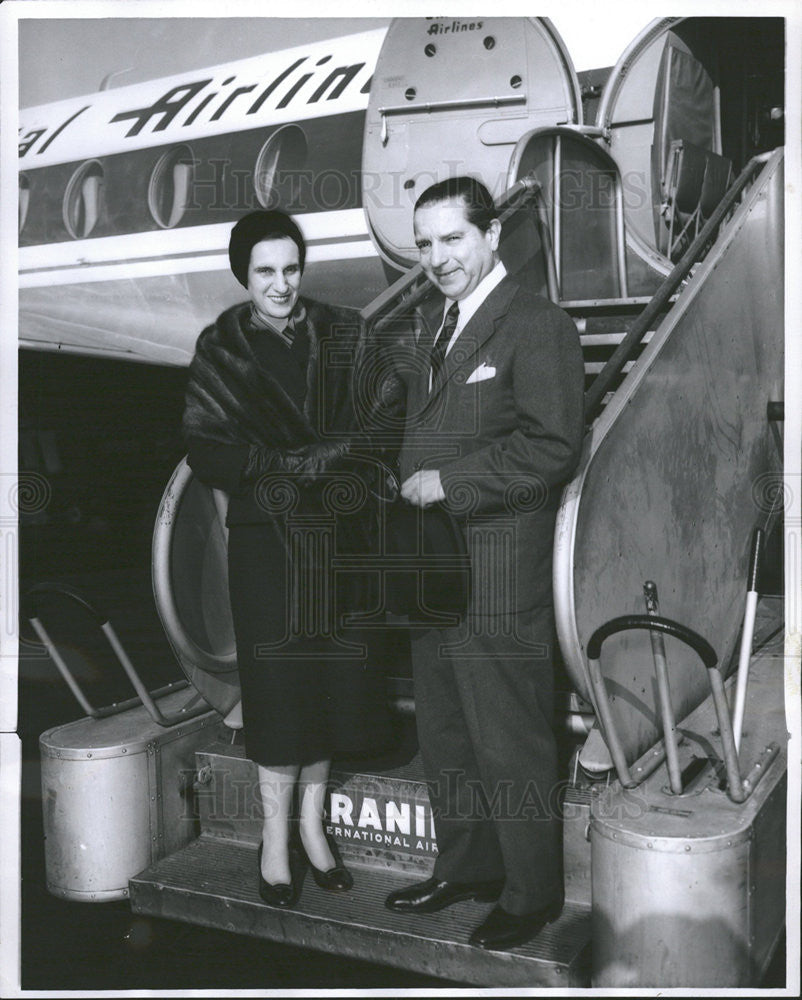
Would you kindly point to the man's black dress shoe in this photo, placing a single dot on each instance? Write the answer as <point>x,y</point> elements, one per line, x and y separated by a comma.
<point>505,930</point>
<point>432,895</point>
<point>282,894</point>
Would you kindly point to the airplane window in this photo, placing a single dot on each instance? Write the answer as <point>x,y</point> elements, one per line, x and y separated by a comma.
<point>83,199</point>
<point>24,199</point>
<point>169,187</point>
<point>282,155</point>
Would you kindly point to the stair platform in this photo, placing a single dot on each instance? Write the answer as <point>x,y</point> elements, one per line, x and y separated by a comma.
<point>212,882</point>
<point>380,817</point>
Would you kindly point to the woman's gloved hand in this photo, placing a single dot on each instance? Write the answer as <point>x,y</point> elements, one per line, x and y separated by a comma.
<point>306,463</point>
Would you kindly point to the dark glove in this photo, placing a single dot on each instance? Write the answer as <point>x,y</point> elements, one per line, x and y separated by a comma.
<point>306,463</point>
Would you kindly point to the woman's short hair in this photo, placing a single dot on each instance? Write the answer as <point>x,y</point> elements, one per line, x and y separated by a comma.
<point>480,209</point>
<point>255,227</point>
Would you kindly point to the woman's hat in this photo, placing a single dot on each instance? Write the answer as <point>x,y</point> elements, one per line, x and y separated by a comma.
<point>252,229</point>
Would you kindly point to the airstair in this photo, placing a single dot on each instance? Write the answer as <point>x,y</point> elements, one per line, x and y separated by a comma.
<point>213,880</point>
<point>380,815</point>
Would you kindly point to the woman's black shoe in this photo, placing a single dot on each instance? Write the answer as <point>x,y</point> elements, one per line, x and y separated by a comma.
<point>336,879</point>
<point>276,895</point>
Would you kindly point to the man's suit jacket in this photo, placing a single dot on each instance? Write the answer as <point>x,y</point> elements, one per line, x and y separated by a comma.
<point>503,423</point>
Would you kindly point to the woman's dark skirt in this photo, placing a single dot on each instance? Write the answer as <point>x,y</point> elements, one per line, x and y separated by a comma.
<point>309,688</point>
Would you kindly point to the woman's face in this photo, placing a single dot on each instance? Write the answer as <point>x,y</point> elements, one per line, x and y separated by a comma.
<point>274,277</point>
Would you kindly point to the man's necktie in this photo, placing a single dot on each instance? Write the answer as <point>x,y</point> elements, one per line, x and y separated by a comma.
<point>438,355</point>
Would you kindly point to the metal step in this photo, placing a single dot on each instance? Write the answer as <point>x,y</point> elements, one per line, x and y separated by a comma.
<point>594,367</point>
<point>400,838</point>
<point>213,882</point>
<point>609,339</point>
<point>380,818</point>
<point>634,303</point>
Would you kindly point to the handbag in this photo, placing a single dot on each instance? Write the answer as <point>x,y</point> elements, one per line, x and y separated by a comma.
<point>428,569</point>
<point>421,553</point>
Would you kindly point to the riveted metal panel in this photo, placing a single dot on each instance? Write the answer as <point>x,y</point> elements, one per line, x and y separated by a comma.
<point>660,918</point>
<point>688,889</point>
<point>116,796</point>
<point>639,509</point>
<point>453,96</point>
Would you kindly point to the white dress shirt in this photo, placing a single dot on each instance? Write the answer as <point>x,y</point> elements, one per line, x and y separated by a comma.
<point>469,305</point>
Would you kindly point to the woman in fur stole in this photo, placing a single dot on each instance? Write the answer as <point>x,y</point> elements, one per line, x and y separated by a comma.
<point>269,419</point>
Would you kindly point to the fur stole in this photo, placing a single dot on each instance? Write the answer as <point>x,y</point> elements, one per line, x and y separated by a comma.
<point>231,399</point>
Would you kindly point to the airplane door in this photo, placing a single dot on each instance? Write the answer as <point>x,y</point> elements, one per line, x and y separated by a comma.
<point>685,107</point>
<point>452,96</point>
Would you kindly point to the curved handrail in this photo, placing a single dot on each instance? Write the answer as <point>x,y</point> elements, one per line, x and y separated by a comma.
<point>653,623</point>
<point>30,604</point>
<point>144,697</point>
<point>184,646</point>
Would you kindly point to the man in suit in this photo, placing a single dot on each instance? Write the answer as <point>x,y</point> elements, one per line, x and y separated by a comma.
<point>493,431</point>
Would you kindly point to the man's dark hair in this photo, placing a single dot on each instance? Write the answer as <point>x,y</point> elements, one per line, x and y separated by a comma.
<point>480,209</point>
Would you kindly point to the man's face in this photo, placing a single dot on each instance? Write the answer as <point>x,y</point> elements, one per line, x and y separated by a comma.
<point>274,277</point>
<point>455,254</point>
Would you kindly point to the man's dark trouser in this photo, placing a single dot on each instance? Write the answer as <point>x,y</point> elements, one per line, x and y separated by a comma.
<point>483,695</point>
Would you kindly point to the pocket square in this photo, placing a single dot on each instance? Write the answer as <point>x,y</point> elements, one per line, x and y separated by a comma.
<point>480,374</point>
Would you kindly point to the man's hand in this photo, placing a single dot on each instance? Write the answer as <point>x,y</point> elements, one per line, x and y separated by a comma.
<point>423,488</point>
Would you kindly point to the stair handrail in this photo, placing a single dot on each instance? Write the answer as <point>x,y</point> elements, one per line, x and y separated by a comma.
<point>626,349</point>
<point>737,789</point>
<point>143,697</point>
<point>513,199</point>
